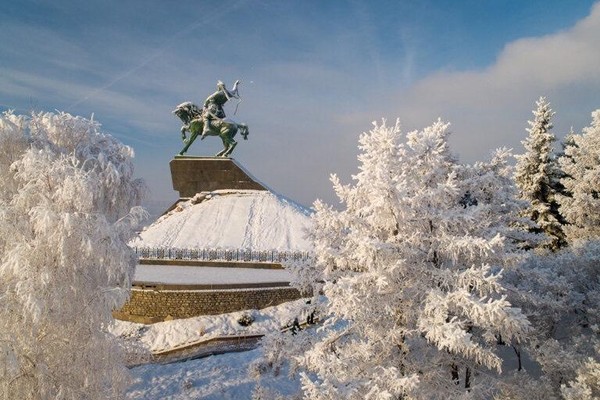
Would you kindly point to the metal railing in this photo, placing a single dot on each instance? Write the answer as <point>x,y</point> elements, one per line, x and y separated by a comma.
<point>242,255</point>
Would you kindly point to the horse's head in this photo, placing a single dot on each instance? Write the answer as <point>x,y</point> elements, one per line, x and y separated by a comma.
<point>187,112</point>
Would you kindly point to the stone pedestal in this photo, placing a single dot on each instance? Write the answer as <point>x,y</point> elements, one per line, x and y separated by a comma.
<point>191,175</point>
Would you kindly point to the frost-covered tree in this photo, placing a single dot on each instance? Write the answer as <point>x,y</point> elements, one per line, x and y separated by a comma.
<point>560,294</point>
<point>536,175</point>
<point>67,204</point>
<point>411,269</point>
<point>581,164</point>
<point>556,179</point>
<point>586,385</point>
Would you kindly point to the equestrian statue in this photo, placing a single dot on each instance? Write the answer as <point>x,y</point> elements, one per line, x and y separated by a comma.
<point>210,120</point>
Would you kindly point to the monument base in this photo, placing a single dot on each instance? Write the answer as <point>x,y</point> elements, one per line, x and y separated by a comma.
<point>191,175</point>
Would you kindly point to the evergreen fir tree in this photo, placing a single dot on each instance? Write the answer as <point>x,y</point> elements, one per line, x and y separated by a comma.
<point>536,175</point>
<point>581,164</point>
<point>556,181</point>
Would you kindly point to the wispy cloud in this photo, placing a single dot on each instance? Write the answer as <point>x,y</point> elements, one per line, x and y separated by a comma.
<point>490,107</point>
<point>212,15</point>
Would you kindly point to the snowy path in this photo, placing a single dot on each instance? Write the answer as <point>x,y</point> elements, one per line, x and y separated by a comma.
<point>206,348</point>
<point>219,377</point>
<point>178,275</point>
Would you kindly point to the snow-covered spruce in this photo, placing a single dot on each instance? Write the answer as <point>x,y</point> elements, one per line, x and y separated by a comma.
<point>66,198</point>
<point>411,270</point>
<point>581,164</point>
<point>537,173</point>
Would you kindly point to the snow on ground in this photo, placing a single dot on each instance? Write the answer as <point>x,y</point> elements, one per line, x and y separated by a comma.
<point>184,275</point>
<point>219,377</point>
<point>224,376</point>
<point>216,377</point>
<point>235,219</point>
<point>170,334</point>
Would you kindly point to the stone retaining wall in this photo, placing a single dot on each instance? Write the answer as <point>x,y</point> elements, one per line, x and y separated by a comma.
<point>150,306</point>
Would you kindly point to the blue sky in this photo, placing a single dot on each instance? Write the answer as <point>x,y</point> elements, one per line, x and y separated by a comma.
<point>314,74</point>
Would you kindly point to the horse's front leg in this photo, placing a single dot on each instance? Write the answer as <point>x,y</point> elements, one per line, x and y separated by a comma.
<point>188,143</point>
<point>183,136</point>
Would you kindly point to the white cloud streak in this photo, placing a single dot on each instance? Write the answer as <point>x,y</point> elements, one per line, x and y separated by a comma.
<point>489,108</point>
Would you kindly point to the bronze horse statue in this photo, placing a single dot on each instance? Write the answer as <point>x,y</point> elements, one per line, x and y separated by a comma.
<point>191,116</point>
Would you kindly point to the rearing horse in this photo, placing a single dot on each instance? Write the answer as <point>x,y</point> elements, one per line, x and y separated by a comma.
<point>191,116</point>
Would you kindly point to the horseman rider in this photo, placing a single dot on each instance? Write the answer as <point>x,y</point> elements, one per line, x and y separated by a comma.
<point>213,112</point>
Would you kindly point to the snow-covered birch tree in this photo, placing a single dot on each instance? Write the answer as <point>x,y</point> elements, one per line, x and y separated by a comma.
<point>411,268</point>
<point>581,164</point>
<point>67,204</point>
<point>535,174</point>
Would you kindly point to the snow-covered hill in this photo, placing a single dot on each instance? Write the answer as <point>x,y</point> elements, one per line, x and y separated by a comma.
<point>231,219</point>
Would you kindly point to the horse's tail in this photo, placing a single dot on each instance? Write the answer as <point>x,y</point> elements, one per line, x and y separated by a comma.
<point>244,131</point>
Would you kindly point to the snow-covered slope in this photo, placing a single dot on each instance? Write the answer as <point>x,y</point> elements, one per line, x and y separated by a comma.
<point>231,219</point>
